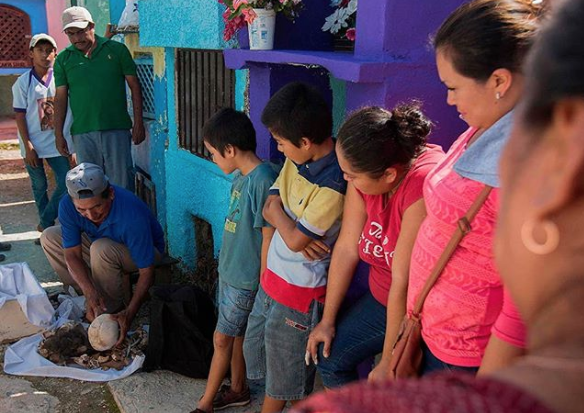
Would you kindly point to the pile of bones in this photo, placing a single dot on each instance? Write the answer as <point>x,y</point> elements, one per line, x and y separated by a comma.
<point>69,344</point>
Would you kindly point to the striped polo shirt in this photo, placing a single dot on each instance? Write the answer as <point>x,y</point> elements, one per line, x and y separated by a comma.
<point>312,194</point>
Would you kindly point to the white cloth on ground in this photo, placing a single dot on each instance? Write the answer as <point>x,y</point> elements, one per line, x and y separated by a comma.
<point>17,282</point>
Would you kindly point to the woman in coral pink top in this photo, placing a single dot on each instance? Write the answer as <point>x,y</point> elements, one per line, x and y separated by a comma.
<point>479,53</point>
<point>385,159</point>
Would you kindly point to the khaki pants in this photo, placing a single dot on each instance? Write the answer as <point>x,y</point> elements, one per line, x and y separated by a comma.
<point>109,265</point>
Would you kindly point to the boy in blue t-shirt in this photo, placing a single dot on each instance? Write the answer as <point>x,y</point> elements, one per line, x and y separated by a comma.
<point>33,102</point>
<point>305,207</point>
<point>230,138</point>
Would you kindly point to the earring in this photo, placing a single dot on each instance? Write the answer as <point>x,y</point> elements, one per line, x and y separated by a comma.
<point>552,237</point>
<point>498,96</point>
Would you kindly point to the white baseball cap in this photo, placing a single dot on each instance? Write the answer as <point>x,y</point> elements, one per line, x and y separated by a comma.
<point>86,180</point>
<point>76,16</point>
<point>42,36</point>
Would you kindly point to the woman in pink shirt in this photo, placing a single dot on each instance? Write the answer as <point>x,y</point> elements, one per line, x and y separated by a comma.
<point>479,53</point>
<point>385,159</point>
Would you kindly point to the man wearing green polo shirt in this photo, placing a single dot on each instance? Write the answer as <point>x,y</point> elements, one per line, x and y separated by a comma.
<point>90,76</point>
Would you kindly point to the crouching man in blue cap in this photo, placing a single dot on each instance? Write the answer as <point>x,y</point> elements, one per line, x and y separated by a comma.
<point>105,233</point>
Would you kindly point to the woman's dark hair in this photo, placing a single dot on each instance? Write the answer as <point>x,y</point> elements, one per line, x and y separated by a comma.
<point>298,111</point>
<point>484,35</point>
<point>230,127</point>
<point>555,68</point>
<point>373,139</point>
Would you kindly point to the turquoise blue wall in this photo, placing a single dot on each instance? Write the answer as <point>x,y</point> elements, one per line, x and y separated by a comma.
<point>181,23</point>
<point>37,12</point>
<point>194,187</point>
<point>100,11</point>
<point>187,186</point>
<point>158,144</point>
<point>116,7</point>
<point>339,88</point>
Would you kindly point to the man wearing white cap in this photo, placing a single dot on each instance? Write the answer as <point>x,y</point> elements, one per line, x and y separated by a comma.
<point>33,102</point>
<point>105,232</point>
<point>91,74</point>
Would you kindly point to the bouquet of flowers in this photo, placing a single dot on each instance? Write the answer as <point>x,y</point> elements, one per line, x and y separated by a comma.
<point>342,22</point>
<point>238,13</point>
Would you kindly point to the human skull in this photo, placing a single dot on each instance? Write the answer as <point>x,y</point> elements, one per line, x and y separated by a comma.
<point>103,333</point>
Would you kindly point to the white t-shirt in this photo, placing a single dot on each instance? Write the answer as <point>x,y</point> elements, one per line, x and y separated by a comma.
<point>37,99</point>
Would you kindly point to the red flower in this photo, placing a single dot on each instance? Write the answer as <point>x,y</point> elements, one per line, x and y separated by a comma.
<point>350,34</point>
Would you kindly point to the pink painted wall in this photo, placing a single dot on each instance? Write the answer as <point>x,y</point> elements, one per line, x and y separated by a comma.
<point>54,10</point>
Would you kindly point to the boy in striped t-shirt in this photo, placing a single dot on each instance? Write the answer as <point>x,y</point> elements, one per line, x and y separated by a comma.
<point>305,207</point>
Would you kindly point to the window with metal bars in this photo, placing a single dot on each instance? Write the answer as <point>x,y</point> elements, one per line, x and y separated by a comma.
<point>15,37</point>
<point>204,85</point>
<point>145,72</point>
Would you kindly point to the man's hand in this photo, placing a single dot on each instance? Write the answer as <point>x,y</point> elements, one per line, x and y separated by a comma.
<point>138,133</point>
<point>61,144</point>
<point>124,320</point>
<point>322,333</point>
<point>31,157</point>
<point>316,250</point>
<point>380,373</point>
<point>94,306</point>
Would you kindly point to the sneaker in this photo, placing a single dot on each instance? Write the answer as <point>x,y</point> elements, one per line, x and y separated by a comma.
<point>228,398</point>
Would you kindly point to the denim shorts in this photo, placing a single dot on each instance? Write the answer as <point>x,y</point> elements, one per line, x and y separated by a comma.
<point>275,346</point>
<point>235,304</point>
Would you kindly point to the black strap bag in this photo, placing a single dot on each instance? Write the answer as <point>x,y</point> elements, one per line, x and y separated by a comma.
<point>182,322</point>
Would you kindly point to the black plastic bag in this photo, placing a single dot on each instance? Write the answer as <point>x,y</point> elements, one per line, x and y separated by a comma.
<point>182,322</point>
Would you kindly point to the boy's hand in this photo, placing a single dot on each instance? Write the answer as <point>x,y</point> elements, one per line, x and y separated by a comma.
<point>61,144</point>
<point>316,250</point>
<point>31,158</point>
<point>322,333</point>
<point>272,208</point>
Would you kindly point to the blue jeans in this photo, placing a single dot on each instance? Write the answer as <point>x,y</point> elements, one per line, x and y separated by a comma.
<point>360,334</point>
<point>275,346</point>
<point>431,364</point>
<point>48,209</point>
<point>235,304</point>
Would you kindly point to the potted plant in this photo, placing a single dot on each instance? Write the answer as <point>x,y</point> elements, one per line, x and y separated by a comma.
<point>341,23</point>
<point>259,16</point>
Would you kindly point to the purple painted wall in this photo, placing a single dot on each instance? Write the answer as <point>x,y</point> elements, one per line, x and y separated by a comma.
<point>265,80</point>
<point>393,61</point>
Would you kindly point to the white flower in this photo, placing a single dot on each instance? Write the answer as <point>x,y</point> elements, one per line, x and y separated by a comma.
<point>336,21</point>
<point>352,7</point>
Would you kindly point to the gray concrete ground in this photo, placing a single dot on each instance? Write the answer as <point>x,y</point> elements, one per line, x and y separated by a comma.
<point>164,391</point>
<point>18,216</point>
